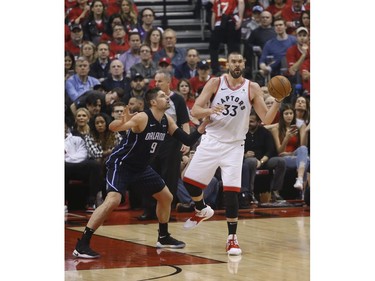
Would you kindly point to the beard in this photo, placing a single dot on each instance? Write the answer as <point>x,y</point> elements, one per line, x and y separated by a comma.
<point>236,74</point>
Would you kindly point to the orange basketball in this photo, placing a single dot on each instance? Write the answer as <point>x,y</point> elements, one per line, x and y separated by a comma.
<point>279,87</point>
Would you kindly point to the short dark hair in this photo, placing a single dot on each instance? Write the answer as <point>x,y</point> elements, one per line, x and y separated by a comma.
<point>151,94</point>
<point>120,91</point>
<point>93,98</point>
<point>117,103</point>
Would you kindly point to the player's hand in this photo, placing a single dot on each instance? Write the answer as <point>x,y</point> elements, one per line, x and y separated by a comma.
<point>185,149</point>
<point>202,127</point>
<point>126,115</point>
<point>217,109</point>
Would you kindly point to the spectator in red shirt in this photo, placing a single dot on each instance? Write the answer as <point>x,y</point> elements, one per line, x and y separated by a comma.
<point>275,7</point>
<point>204,75</point>
<point>119,43</point>
<point>165,63</point>
<point>292,14</point>
<point>297,54</point>
<point>76,40</point>
<point>78,13</point>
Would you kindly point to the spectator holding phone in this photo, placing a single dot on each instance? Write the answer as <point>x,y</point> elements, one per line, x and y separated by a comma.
<point>291,143</point>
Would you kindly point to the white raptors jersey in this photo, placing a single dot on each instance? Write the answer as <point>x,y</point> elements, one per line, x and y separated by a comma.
<point>233,123</point>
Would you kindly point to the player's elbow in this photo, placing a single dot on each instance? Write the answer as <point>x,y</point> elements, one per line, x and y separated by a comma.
<point>112,127</point>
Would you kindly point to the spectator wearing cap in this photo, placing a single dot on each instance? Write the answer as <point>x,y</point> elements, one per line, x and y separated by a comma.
<point>204,74</point>
<point>251,23</point>
<point>119,44</point>
<point>78,13</point>
<point>80,82</point>
<point>188,69</point>
<point>100,68</point>
<point>176,55</point>
<point>165,63</point>
<point>131,56</point>
<point>118,79</point>
<point>297,55</point>
<point>249,6</point>
<point>146,67</point>
<point>292,14</point>
<point>138,86</point>
<point>76,40</point>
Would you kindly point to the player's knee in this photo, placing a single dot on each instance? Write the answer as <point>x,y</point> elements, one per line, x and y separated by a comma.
<point>231,204</point>
<point>194,191</point>
<point>113,199</point>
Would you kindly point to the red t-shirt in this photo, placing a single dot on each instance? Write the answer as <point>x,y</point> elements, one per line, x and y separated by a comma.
<point>292,144</point>
<point>306,66</point>
<point>273,9</point>
<point>115,50</point>
<point>289,15</point>
<point>69,46</point>
<point>293,54</point>
<point>227,7</point>
<point>75,13</point>
<point>196,83</point>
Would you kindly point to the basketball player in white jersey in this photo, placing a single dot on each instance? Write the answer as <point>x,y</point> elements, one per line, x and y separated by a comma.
<point>230,98</point>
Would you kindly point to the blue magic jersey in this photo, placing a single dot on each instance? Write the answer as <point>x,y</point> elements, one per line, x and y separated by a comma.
<point>233,123</point>
<point>137,150</point>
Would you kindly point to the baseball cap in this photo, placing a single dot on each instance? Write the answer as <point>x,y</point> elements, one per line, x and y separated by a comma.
<point>137,76</point>
<point>75,26</point>
<point>203,64</point>
<point>258,9</point>
<point>301,28</point>
<point>165,60</point>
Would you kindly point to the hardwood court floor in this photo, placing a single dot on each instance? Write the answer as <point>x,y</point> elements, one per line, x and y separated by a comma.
<point>275,244</point>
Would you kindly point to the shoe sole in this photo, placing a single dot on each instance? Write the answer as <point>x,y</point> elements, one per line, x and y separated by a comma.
<point>198,222</point>
<point>234,253</point>
<point>84,256</point>
<point>159,245</point>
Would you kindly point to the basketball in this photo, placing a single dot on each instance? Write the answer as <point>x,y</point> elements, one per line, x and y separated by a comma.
<point>279,87</point>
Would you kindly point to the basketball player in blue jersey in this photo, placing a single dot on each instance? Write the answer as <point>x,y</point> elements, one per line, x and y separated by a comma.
<point>129,164</point>
<point>231,97</point>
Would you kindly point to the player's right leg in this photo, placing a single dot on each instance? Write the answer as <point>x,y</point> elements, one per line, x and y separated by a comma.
<point>115,185</point>
<point>82,249</point>
<point>202,211</point>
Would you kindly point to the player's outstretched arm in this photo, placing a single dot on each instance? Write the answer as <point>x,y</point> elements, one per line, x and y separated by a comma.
<point>129,120</point>
<point>266,115</point>
<point>187,139</point>
<point>200,108</point>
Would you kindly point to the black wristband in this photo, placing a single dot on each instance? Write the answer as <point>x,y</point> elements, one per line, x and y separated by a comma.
<point>186,138</point>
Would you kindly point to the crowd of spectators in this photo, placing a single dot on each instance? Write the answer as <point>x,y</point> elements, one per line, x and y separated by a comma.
<point>114,51</point>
